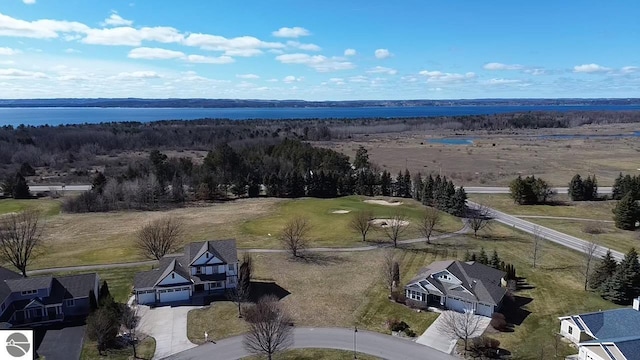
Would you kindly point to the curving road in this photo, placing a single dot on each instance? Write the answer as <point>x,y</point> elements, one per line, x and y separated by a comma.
<point>382,346</point>
<point>557,237</point>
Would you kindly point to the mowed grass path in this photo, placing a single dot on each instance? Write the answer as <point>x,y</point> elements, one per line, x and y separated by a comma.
<point>103,238</point>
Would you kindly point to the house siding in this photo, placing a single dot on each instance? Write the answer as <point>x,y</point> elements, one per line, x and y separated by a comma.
<point>81,307</point>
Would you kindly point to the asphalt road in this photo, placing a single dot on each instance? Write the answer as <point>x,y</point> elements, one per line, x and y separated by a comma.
<point>557,237</point>
<point>382,346</point>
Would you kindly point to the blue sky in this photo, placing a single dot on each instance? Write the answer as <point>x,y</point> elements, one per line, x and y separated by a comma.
<point>319,49</point>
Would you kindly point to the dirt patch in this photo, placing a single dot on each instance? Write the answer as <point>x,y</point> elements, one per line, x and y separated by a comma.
<point>384,223</point>
<point>340,212</point>
<point>384,202</point>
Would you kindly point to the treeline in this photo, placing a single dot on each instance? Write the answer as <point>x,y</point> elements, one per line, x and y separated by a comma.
<point>68,145</point>
<point>626,184</point>
<point>494,261</point>
<point>530,190</point>
<point>287,169</point>
<point>583,190</point>
<point>615,282</point>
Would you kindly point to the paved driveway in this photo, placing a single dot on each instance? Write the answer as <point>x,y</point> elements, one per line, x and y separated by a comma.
<point>59,343</point>
<point>438,340</point>
<point>168,325</point>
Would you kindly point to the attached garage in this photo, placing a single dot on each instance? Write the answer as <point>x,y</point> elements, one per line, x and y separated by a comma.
<point>458,305</point>
<point>174,294</point>
<point>484,309</point>
<point>146,297</point>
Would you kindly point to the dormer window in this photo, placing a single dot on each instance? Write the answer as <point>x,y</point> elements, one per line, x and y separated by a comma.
<point>29,292</point>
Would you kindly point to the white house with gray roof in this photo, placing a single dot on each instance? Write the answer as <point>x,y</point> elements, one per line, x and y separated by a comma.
<point>460,286</point>
<point>44,299</point>
<point>205,267</point>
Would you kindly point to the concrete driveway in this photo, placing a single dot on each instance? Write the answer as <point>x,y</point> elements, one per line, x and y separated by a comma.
<point>438,340</point>
<point>168,325</point>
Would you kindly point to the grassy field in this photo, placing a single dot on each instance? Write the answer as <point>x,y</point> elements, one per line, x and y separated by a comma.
<point>313,354</point>
<point>219,320</point>
<point>120,280</point>
<point>47,207</point>
<point>82,239</point>
<point>595,210</point>
<point>145,350</point>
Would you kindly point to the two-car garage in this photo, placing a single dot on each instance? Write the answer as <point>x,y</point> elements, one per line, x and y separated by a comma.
<point>462,305</point>
<point>164,295</point>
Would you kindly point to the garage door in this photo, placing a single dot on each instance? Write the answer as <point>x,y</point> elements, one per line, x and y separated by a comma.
<point>458,305</point>
<point>146,297</point>
<point>485,310</point>
<point>178,294</point>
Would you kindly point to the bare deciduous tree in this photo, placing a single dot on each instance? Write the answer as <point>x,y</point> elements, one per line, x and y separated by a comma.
<point>242,292</point>
<point>160,237</point>
<point>361,223</point>
<point>430,219</point>
<point>396,225</point>
<point>589,250</point>
<point>130,320</point>
<point>294,235</point>
<point>459,325</point>
<point>269,328</point>
<point>479,218</point>
<point>536,251</point>
<point>20,237</point>
<point>388,259</point>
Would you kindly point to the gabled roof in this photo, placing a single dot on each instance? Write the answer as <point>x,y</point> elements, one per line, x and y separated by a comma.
<point>78,286</point>
<point>6,274</point>
<point>629,348</point>
<point>479,282</point>
<point>172,265</point>
<point>30,283</point>
<point>613,324</point>
<point>224,250</point>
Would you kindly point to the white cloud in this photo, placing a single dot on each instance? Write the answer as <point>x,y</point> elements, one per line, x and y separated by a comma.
<point>238,46</point>
<point>382,53</point>
<point>291,79</point>
<point>535,71</point>
<point>72,51</point>
<point>629,69</point>
<point>499,66</point>
<point>132,37</point>
<point>243,52</point>
<point>39,29</point>
<point>219,60</point>
<point>320,63</point>
<point>306,47</point>
<point>17,73</point>
<point>442,77</point>
<point>359,79</point>
<point>247,76</point>
<point>29,2</point>
<point>154,54</point>
<point>138,75</point>
<point>294,32</point>
<point>590,68</point>
<point>382,70</point>
<point>350,52</point>
<point>9,51</point>
<point>502,81</point>
<point>117,20</point>
<point>337,81</point>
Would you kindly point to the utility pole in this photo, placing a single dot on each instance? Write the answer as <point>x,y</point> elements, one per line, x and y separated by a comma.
<point>355,332</point>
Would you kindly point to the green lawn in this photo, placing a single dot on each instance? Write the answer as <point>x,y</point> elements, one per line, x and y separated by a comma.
<point>48,207</point>
<point>331,229</point>
<point>120,280</point>
<point>597,210</point>
<point>612,237</point>
<point>219,321</point>
<point>313,354</point>
<point>145,350</point>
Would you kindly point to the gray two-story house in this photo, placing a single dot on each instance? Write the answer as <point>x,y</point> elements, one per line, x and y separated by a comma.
<point>44,299</point>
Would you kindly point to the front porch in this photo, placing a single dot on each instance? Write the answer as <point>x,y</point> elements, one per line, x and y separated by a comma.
<point>37,314</point>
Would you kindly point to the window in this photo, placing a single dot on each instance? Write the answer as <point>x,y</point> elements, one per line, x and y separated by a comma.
<point>173,276</point>
<point>570,330</point>
<point>71,302</point>
<point>208,255</point>
<point>198,270</point>
<point>29,292</point>
<point>230,267</point>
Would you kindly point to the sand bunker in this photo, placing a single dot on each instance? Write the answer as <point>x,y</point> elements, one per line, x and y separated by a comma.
<point>383,202</point>
<point>341,212</point>
<point>384,223</point>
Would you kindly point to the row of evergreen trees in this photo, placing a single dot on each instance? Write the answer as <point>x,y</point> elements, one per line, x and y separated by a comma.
<point>626,184</point>
<point>530,190</point>
<point>617,282</point>
<point>583,190</point>
<point>494,262</point>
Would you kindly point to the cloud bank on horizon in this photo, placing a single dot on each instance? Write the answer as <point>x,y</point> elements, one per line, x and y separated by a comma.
<point>324,51</point>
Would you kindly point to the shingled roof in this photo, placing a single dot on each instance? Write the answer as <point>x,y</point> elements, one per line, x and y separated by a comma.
<point>479,282</point>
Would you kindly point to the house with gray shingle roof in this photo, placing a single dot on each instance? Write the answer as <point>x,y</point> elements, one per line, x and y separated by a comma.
<point>605,335</point>
<point>205,267</point>
<point>460,286</point>
<point>44,299</point>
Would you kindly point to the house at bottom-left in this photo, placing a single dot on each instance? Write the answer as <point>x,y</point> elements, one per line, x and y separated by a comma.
<point>44,299</point>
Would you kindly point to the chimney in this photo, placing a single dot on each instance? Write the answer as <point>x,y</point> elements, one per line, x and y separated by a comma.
<point>636,304</point>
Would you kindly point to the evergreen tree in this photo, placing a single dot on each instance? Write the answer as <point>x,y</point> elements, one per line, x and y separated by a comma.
<point>98,182</point>
<point>495,260</point>
<point>93,302</point>
<point>21,189</point>
<point>273,185</point>
<point>576,188</point>
<point>467,255</point>
<point>27,170</point>
<point>517,190</point>
<point>253,187</point>
<point>399,185</point>
<point>482,258</point>
<point>603,271</point>
<point>105,294</point>
<point>406,183</point>
<point>385,183</point>
<point>427,192</point>
<point>459,203</point>
<point>626,213</point>
<point>473,257</point>
<point>631,269</point>
<point>615,287</point>
<point>417,186</point>
<point>361,160</point>
<point>617,191</point>
<point>361,183</point>
<point>590,188</point>
<point>8,184</point>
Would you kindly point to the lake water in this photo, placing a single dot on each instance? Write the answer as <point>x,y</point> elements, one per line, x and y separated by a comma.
<point>60,115</point>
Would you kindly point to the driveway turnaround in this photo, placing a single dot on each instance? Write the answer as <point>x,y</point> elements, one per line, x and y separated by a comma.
<point>168,325</point>
<point>433,337</point>
<point>59,343</point>
<point>367,342</point>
